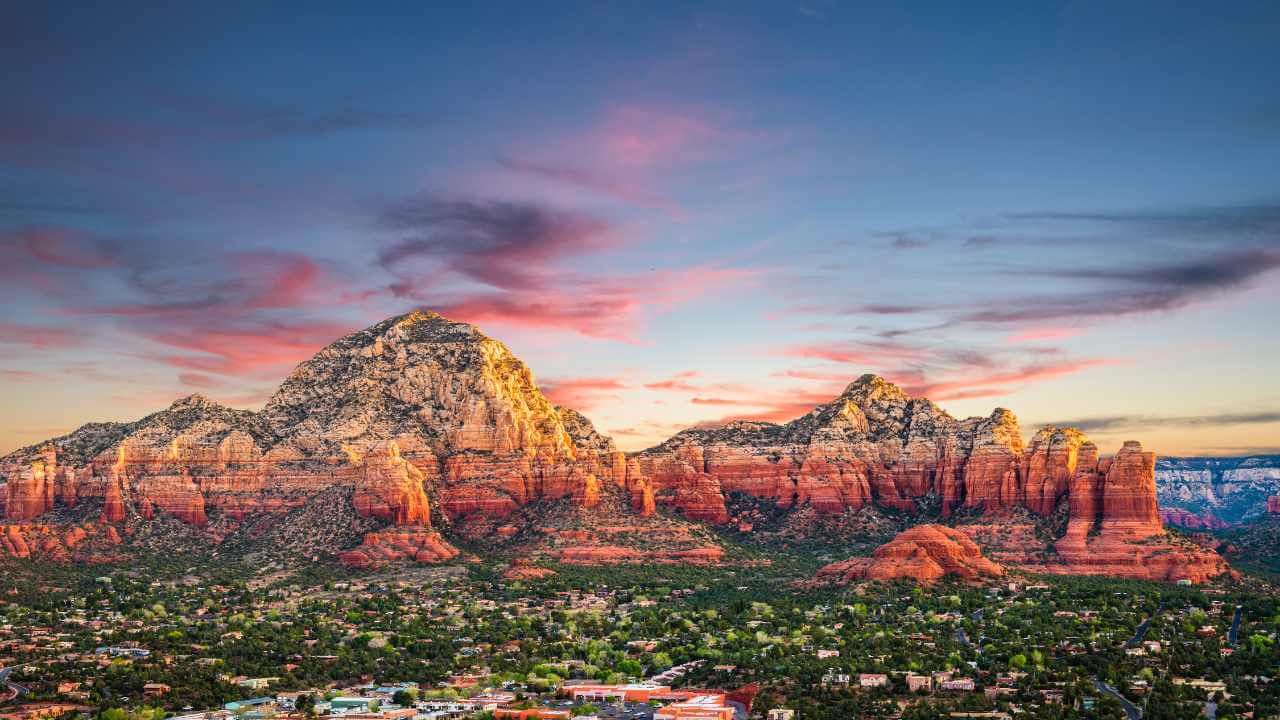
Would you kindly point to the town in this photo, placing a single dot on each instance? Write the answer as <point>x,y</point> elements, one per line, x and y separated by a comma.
<point>669,643</point>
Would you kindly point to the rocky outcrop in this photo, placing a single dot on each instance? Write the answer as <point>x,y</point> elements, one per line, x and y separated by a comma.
<point>414,407</point>
<point>875,445</point>
<point>872,445</point>
<point>1114,525</point>
<point>389,487</point>
<point>1179,517</point>
<point>924,553</point>
<point>418,414</point>
<point>1233,489</point>
<point>1273,505</point>
<point>398,544</point>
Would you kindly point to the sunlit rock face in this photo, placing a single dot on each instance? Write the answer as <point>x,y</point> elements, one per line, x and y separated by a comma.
<point>872,445</point>
<point>924,553</point>
<point>424,422</point>
<point>414,407</point>
<point>875,445</point>
<point>1114,526</point>
<point>1273,505</point>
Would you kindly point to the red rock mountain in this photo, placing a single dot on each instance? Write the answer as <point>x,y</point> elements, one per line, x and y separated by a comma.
<point>412,403</point>
<point>420,421</point>
<point>1273,505</point>
<point>924,553</point>
<point>876,446</point>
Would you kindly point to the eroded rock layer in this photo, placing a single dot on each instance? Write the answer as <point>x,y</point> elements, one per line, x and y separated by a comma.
<point>924,553</point>
<point>426,424</point>
<point>413,408</point>
<point>874,444</point>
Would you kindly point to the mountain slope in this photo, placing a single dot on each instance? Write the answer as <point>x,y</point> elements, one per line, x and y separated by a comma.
<point>1213,492</point>
<point>422,424</point>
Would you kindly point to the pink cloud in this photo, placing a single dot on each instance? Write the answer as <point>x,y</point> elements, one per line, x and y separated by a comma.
<point>610,308</point>
<point>583,393</point>
<point>679,381</point>
<point>198,380</point>
<point>1039,334</point>
<point>247,348</point>
<point>964,386</point>
<point>62,246</point>
<point>39,337</point>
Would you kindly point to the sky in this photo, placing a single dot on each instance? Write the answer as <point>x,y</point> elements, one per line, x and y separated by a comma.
<point>676,214</point>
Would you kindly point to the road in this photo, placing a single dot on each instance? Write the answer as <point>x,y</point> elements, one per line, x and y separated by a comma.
<point>1141,632</point>
<point>14,688</point>
<point>1233,636</point>
<point>1131,710</point>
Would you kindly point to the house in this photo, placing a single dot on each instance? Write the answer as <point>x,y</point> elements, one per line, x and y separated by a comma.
<point>782,714</point>
<point>257,683</point>
<point>824,654</point>
<point>958,685</point>
<point>919,683</point>
<point>873,680</point>
<point>154,690</point>
<point>343,705</point>
<point>259,703</point>
<point>710,706</point>
<point>532,714</point>
<point>834,679</point>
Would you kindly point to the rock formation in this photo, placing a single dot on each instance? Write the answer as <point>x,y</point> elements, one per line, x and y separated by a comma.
<point>924,553</point>
<point>419,415</point>
<point>875,445</point>
<point>1233,489</point>
<point>1273,505</point>
<point>416,404</point>
<point>1183,518</point>
<point>872,445</point>
<point>1114,525</point>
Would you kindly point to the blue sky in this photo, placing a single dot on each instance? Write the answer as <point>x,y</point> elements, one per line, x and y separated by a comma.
<point>676,214</point>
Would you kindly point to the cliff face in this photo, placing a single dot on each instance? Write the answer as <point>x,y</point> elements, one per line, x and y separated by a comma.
<point>924,553</point>
<point>414,405</point>
<point>871,445</point>
<point>874,445</point>
<point>421,420</point>
<point>1229,490</point>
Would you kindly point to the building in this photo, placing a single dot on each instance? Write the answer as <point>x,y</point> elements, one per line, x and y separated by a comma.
<point>958,685</point>
<point>782,714</point>
<point>259,703</point>
<point>698,707</point>
<point>873,680</point>
<point>919,683</point>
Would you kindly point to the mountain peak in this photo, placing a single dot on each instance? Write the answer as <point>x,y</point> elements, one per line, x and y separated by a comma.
<point>194,400</point>
<point>417,326</point>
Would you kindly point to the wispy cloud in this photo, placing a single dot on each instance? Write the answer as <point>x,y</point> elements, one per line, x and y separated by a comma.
<point>583,393</point>
<point>512,263</point>
<point>1113,423</point>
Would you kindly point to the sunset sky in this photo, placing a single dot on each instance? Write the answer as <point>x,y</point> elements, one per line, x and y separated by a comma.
<point>676,214</point>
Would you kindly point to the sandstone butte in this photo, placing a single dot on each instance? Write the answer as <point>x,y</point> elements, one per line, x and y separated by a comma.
<point>424,420</point>
<point>924,553</point>
<point>1273,505</point>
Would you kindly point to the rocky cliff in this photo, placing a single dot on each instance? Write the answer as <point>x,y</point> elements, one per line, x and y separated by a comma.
<point>1217,490</point>
<point>412,406</point>
<point>876,446</point>
<point>421,424</point>
<point>924,553</point>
